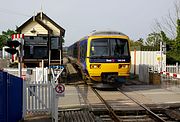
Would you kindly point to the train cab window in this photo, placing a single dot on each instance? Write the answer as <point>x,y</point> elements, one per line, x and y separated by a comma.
<point>99,47</point>
<point>119,47</point>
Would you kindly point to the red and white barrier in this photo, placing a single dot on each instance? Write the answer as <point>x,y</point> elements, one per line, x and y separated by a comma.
<point>174,75</point>
<point>20,38</point>
<point>17,36</point>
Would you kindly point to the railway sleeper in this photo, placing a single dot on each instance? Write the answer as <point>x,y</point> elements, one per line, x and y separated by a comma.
<point>134,115</point>
<point>173,114</point>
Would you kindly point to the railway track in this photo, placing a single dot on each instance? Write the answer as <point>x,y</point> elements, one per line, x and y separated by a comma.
<point>115,106</point>
<point>123,107</point>
<point>142,114</point>
<point>111,112</point>
<point>151,113</point>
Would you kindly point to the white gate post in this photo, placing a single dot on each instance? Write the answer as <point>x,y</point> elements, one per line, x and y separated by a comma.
<point>55,98</point>
<point>54,106</point>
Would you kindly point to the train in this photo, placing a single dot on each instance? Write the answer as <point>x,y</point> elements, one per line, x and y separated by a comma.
<point>104,56</point>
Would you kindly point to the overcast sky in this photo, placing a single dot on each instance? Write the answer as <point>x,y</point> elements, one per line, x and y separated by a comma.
<point>135,18</point>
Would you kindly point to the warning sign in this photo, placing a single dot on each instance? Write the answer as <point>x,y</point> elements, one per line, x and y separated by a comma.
<point>60,89</point>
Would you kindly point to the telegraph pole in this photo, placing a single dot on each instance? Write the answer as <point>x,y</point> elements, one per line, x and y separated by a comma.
<point>161,49</point>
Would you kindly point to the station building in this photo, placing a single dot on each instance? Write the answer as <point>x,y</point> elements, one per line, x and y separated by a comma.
<point>43,40</point>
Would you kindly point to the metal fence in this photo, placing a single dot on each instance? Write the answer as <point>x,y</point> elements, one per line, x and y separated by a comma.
<point>167,79</point>
<point>173,68</point>
<point>11,98</point>
<point>170,82</point>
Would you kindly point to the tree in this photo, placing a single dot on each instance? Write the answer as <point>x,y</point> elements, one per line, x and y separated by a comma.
<point>172,45</point>
<point>169,23</point>
<point>169,30</point>
<point>139,42</point>
<point>164,37</point>
<point>178,37</point>
<point>5,36</point>
<point>153,40</point>
<point>63,41</point>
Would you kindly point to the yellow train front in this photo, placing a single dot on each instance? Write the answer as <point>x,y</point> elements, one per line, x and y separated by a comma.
<point>104,56</point>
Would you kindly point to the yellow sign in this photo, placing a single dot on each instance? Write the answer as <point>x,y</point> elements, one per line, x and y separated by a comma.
<point>159,58</point>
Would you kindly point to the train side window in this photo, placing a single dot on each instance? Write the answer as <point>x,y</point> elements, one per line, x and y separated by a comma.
<point>81,52</point>
<point>75,51</point>
<point>83,49</point>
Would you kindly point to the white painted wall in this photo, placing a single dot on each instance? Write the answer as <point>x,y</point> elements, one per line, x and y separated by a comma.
<point>39,29</point>
<point>150,58</point>
<point>142,60</point>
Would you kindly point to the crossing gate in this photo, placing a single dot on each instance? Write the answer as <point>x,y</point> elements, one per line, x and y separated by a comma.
<point>38,97</point>
<point>41,97</point>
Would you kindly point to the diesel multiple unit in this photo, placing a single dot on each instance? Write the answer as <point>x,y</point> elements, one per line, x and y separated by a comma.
<point>104,55</point>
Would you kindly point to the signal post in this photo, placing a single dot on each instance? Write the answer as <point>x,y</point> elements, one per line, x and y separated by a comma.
<point>15,46</point>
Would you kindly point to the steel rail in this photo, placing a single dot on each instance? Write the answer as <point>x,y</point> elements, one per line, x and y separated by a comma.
<point>111,112</point>
<point>155,116</point>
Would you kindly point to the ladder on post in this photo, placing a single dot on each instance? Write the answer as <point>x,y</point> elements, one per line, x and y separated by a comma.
<point>55,51</point>
<point>55,70</point>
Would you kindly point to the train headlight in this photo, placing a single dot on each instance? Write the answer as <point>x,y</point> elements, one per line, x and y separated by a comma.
<point>123,66</point>
<point>95,66</point>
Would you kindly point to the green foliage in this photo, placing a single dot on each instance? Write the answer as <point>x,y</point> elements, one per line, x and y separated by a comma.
<point>63,41</point>
<point>153,40</point>
<point>153,43</point>
<point>136,44</point>
<point>169,42</point>
<point>5,36</point>
<point>172,55</point>
<point>178,37</point>
<point>164,37</point>
<point>2,41</point>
